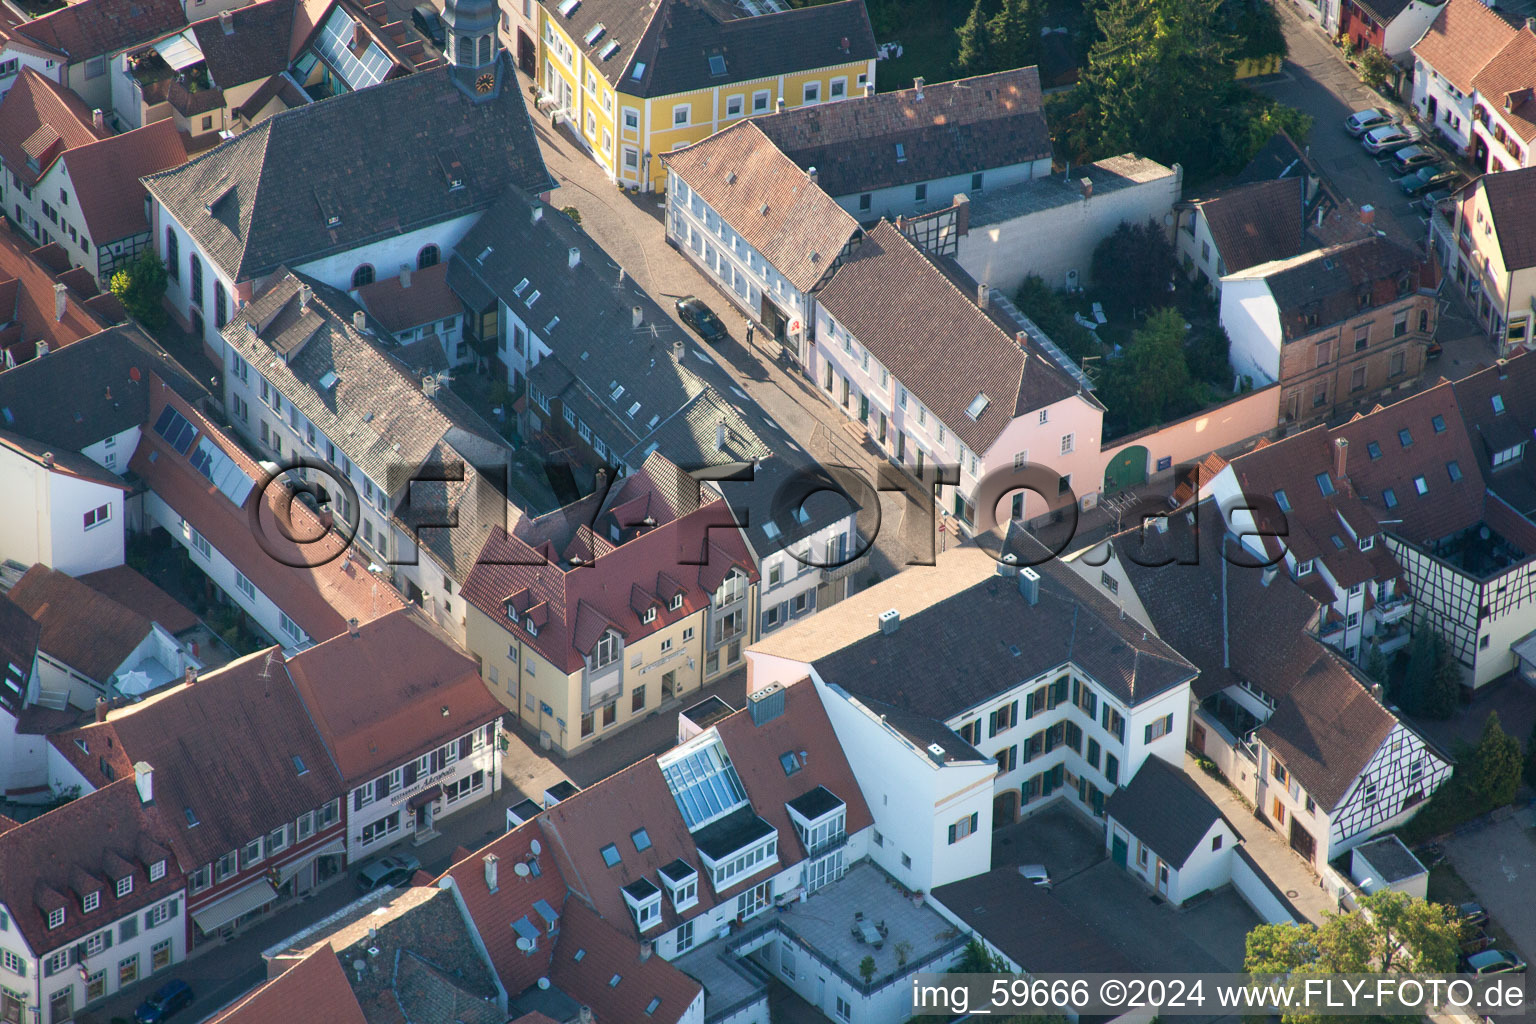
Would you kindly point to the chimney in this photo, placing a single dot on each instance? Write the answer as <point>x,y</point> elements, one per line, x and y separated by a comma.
<point>491,861</point>
<point>60,295</point>
<point>869,89</point>
<point>42,348</point>
<point>1503,368</point>
<point>585,1016</point>
<point>144,778</point>
<point>815,178</point>
<point>227,22</point>
<point>679,349</point>
<point>890,621</point>
<point>405,275</point>
<point>1021,339</point>
<point>102,707</point>
<point>190,676</point>
<point>536,214</point>
<point>47,460</point>
<point>720,436</point>
<point>983,295</point>
<point>99,121</point>
<point>645,950</point>
<point>573,257</point>
<point>843,44</point>
<point>359,321</point>
<point>779,106</point>
<point>1340,459</point>
<point>305,294</point>
<point>352,629</point>
<point>1086,184</point>
<point>636,316</point>
<point>936,754</point>
<point>917,88</point>
<point>1368,215</point>
<point>1029,585</point>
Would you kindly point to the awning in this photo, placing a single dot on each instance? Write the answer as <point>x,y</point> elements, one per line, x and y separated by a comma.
<point>216,915</point>
<point>426,796</point>
<point>287,871</point>
<point>179,51</point>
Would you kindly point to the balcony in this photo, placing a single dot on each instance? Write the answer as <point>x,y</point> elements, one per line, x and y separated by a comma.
<point>1394,610</point>
<point>858,565</point>
<point>1393,638</point>
<point>831,844</point>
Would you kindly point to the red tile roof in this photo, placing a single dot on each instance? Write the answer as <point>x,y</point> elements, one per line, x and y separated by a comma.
<point>222,748</point>
<point>396,690</point>
<point>399,307</point>
<point>313,585</point>
<point>39,120</point>
<point>314,988</point>
<point>494,912</point>
<point>83,628</point>
<point>127,586</point>
<point>86,842</point>
<point>1505,83</point>
<point>63,462</point>
<point>1256,223</point>
<point>93,28</point>
<point>106,174</point>
<point>27,300</point>
<point>613,954</point>
<point>1464,37</point>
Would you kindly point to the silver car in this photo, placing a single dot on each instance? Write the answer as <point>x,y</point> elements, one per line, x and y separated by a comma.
<point>1362,121</point>
<point>1387,138</point>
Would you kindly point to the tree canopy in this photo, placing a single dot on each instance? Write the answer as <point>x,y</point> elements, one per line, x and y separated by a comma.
<point>140,286</point>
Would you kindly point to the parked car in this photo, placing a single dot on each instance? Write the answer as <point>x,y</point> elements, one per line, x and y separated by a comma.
<point>1388,137</point>
<point>1362,121</point>
<point>1425,178</point>
<point>393,869</point>
<point>1037,874</point>
<point>1473,914</point>
<point>428,22</point>
<point>692,311</point>
<point>172,997</point>
<point>1433,351</point>
<point>1411,158</point>
<point>1432,199</point>
<point>1494,961</point>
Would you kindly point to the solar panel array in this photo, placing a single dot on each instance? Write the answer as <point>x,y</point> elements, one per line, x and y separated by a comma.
<point>222,472</point>
<point>336,47</point>
<point>176,430</point>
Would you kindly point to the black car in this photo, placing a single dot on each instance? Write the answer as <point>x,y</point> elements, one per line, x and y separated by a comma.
<point>390,870</point>
<point>701,318</point>
<point>429,23</point>
<point>172,997</point>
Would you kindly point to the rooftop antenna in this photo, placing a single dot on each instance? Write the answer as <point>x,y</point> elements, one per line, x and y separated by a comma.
<point>266,669</point>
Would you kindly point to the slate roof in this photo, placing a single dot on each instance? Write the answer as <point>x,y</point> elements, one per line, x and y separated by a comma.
<point>1317,289</point>
<point>39,121</point>
<point>106,174</point>
<point>893,300</point>
<point>576,829</point>
<point>1384,10</point>
<point>960,127</point>
<point>93,28</point>
<point>1506,83</point>
<point>83,628</point>
<point>90,841</point>
<point>19,633</point>
<point>309,182</point>
<point>670,41</point>
<point>1162,807</point>
<point>1216,611</point>
<point>1511,198</point>
<point>1492,431</point>
<point>313,583</point>
<point>1030,926</point>
<point>1327,730</point>
<point>256,49</point>
<point>316,982</point>
<point>611,953</point>
<point>1463,38</point>
<point>222,748</point>
<point>1256,223</point>
<point>127,586</point>
<point>770,202</point>
<point>940,607</point>
<point>530,571</point>
<point>400,307</point>
<point>375,697</point>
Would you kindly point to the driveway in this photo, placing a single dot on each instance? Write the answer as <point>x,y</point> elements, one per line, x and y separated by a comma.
<point>1498,862</point>
<point>1316,80</point>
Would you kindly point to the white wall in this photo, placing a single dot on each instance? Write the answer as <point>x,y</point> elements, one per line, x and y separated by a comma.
<point>1427,84</point>
<point>177,291</point>
<point>45,518</point>
<point>486,757</point>
<point>1250,885</point>
<point>388,255</point>
<point>1252,322</point>
<point>173,930</point>
<point>1409,27</point>
<point>44,66</point>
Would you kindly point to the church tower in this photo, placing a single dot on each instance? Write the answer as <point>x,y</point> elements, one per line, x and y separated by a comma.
<point>469,28</point>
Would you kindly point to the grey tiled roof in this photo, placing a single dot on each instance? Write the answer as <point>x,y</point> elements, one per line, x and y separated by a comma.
<point>315,180</point>
<point>1166,810</point>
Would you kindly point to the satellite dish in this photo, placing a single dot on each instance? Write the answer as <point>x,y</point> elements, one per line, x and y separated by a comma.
<point>544,984</point>
<point>526,945</point>
<point>520,869</point>
<point>535,847</point>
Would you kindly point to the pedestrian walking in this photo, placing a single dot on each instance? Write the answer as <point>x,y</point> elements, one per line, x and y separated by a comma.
<point>751,330</point>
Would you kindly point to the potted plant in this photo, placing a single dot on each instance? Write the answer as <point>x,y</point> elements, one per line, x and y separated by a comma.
<point>903,950</point>
<point>867,969</point>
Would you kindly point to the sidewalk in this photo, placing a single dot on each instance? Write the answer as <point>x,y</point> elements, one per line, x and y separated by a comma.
<point>1289,873</point>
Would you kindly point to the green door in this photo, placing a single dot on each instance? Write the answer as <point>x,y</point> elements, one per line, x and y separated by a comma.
<point>1118,850</point>
<point>1127,469</point>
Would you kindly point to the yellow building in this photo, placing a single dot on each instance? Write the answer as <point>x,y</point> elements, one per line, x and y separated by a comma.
<point>635,80</point>
<point>595,615</point>
<point>1481,239</point>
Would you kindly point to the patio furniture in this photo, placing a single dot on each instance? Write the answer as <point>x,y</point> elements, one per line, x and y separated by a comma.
<point>871,934</point>
<point>1098,313</point>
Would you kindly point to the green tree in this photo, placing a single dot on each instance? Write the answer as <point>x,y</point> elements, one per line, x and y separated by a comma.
<point>867,968</point>
<point>1496,765</point>
<point>1134,267</point>
<point>1014,34</point>
<point>1207,352</point>
<point>1248,125</point>
<point>1530,759</point>
<point>1411,935</point>
<point>140,286</point>
<point>1049,311</point>
<point>975,38</point>
<point>1376,665</point>
<point>1375,66</point>
<point>1431,683</point>
<point>1150,382</point>
<point>1258,29</point>
<point>1157,81</point>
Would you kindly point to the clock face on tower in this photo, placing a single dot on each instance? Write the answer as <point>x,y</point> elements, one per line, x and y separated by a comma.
<point>485,83</point>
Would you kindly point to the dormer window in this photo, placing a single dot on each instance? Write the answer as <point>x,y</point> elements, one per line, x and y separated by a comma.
<point>1304,567</point>
<point>56,918</point>
<point>530,627</point>
<point>157,871</point>
<point>682,883</point>
<point>90,901</point>
<point>644,899</point>
<point>607,650</point>
<point>649,616</point>
<point>1366,543</point>
<point>124,886</point>
<point>676,602</point>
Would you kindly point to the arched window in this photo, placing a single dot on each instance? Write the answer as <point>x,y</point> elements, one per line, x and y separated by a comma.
<point>362,275</point>
<point>172,255</point>
<point>194,279</point>
<point>485,50</point>
<point>465,56</point>
<point>428,257</point>
<point>220,306</point>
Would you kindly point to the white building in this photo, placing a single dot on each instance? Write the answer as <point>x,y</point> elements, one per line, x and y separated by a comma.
<point>95,900</point>
<point>1169,834</point>
<point>76,520</point>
